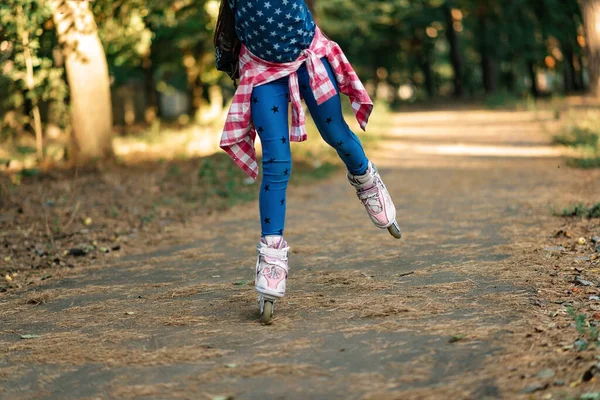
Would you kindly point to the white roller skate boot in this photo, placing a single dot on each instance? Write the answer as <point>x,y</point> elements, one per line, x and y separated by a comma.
<point>377,201</point>
<point>271,274</point>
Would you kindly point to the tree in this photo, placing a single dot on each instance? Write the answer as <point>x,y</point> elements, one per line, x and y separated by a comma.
<point>28,77</point>
<point>591,17</point>
<point>89,84</point>
<point>455,55</point>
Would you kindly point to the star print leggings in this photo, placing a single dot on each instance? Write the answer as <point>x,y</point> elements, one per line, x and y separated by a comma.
<point>270,118</point>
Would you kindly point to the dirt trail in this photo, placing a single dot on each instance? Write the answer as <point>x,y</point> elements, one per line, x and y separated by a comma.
<point>448,311</point>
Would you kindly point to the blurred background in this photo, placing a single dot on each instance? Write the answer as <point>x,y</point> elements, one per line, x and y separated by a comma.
<point>82,82</point>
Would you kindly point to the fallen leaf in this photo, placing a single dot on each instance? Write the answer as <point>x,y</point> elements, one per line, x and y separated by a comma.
<point>534,388</point>
<point>29,336</point>
<point>456,338</point>
<point>578,280</point>
<point>546,373</point>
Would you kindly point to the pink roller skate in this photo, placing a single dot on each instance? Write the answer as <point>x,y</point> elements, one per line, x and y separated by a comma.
<point>271,274</point>
<point>377,201</point>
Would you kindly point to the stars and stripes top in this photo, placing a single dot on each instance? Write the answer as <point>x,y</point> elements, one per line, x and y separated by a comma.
<point>239,134</point>
<point>274,30</point>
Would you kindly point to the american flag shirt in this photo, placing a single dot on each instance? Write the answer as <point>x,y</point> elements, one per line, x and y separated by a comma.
<point>239,134</point>
<point>274,30</point>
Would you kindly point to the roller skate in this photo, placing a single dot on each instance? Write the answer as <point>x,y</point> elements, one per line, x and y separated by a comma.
<point>271,274</point>
<point>377,201</point>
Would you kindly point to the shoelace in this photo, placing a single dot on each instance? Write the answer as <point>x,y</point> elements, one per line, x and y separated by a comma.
<point>373,200</point>
<point>272,270</point>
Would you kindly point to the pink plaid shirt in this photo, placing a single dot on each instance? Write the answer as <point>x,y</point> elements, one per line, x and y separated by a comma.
<point>239,134</point>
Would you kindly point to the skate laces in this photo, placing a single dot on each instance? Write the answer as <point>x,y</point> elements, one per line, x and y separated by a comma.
<point>273,260</point>
<point>371,197</point>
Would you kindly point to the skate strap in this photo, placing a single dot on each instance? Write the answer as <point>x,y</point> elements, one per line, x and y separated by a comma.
<point>368,192</point>
<point>281,254</point>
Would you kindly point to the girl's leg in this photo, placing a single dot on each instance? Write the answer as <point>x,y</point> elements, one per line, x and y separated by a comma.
<point>331,124</point>
<point>270,118</point>
<point>362,174</point>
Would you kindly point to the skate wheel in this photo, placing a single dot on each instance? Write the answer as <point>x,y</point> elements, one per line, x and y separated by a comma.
<point>267,312</point>
<point>395,231</point>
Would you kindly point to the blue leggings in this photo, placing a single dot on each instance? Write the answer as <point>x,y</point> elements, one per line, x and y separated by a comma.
<point>270,118</point>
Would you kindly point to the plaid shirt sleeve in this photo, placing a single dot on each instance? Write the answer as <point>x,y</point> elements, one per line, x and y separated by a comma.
<point>349,84</point>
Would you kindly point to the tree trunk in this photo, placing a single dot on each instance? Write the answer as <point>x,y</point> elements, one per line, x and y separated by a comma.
<point>37,119</point>
<point>151,111</point>
<point>30,82</point>
<point>194,82</point>
<point>509,75</point>
<point>591,18</point>
<point>487,63</point>
<point>570,83</point>
<point>89,84</point>
<point>426,67</point>
<point>535,92</point>
<point>489,73</point>
<point>455,57</point>
<point>580,83</point>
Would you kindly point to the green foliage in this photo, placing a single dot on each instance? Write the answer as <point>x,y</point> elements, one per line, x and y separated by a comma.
<point>407,38</point>
<point>589,334</point>
<point>583,135</point>
<point>590,396</point>
<point>167,47</point>
<point>169,38</point>
<point>582,211</point>
<point>25,24</point>
<point>584,162</point>
<point>224,182</point>
<point>579,137</point>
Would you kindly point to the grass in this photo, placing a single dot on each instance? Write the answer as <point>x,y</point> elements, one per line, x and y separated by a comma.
<point>579,137</point>
<point>582,135</point>
<point>589,334</point>
<point>226,185</point>
<point>581,211</point>
<point>584,162</point>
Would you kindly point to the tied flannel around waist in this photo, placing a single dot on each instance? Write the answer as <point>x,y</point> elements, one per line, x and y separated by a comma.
<point>320,84</point>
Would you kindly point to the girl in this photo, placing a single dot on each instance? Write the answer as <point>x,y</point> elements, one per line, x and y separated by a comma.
<point>283,55</point>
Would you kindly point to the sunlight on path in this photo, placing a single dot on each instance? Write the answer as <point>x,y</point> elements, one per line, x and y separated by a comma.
<point>475,150</point>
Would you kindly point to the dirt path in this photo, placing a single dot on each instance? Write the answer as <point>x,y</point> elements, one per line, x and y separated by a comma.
<point>448,311</point>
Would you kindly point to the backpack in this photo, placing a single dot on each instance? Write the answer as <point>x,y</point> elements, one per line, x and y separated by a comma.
<point>227,51</point>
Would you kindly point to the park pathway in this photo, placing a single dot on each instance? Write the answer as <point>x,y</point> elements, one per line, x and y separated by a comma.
<point>443,313</point>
